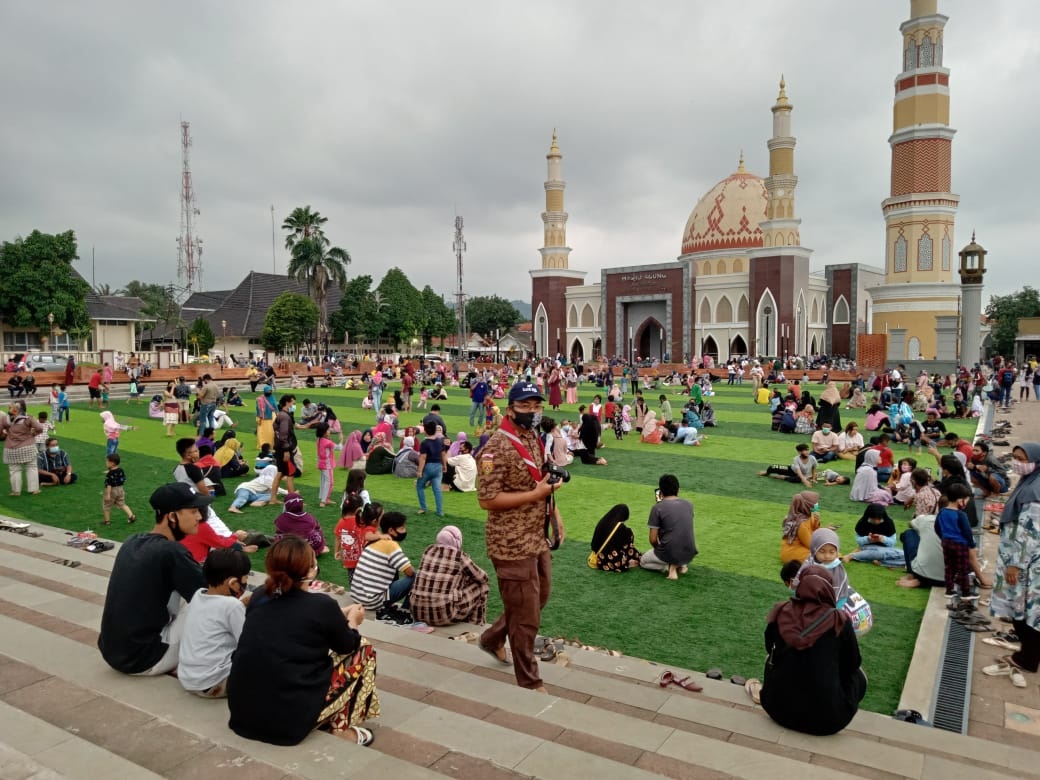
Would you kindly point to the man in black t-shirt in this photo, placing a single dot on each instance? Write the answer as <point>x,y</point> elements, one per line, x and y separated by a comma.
<point>435,417</point>
<point>933,428</point>
<point>153,576</point>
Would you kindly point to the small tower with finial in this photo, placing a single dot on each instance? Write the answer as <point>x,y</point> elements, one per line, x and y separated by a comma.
<point>781,226</point>
<point>972,269</point>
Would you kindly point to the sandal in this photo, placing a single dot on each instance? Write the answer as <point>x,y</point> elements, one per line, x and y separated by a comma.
<point>503,659</point>
<point>996,641</point>
<point>362,736</point>
<point>714,674</point>
<point>754,690</point>
<point>686,683</point>
<point>549,653</point>
<point>1017,678</point>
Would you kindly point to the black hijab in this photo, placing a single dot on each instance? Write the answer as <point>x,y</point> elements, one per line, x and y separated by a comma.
<point>873,511</point>
<point>617,514</point>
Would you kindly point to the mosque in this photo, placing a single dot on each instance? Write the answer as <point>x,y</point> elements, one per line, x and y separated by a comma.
<point>742,283</point>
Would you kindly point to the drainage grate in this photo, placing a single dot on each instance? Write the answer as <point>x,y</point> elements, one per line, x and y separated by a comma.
<point>950,709</point>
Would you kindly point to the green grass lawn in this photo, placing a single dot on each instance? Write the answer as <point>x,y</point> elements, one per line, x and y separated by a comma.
<point>712,617</point>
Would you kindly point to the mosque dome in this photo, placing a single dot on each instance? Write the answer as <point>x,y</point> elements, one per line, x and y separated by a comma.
<point>727,216</point>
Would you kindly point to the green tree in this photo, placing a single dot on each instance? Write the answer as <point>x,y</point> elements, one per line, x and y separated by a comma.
<point>160,303</point>
<point>1004,312</point>
<point>289,322</point>
<point>318,264</point>
<point>302,223</point>
<point>359,315</point>
<point>404,307</point>
<point>486,314</point>
<point>200,336</point>
<point>438,319</point>
<point>38,280</point>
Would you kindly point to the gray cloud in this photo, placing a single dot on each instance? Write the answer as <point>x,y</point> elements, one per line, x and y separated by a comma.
<point>389,118</point>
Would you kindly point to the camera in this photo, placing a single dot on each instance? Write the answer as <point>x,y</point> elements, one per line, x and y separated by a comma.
<point>556,474</point>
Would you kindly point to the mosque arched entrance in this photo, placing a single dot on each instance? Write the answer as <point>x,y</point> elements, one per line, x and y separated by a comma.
<point>650,339</point>
<point>738,347</point>
<point>577,352</point>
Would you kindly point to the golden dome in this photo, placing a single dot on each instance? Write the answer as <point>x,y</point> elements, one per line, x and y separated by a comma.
<point>728,216</point>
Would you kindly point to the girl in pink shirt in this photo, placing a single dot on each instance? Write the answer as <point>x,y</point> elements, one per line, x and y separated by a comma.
<point>326,463</point>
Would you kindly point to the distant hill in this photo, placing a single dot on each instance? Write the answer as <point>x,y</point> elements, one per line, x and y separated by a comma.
<point>524,307</point>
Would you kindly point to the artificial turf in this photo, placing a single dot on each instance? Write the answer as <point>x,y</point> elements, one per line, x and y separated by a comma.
<point>712,617</point>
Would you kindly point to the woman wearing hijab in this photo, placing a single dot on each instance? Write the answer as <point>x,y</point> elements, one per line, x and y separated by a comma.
<point>352,450</point>
<point>653,432</point>
<point>1016,592</point>
<point>380,456</point>
<point>449,587</point>
<point>865,485</point>
<point>812,682</point>
<point>802,519</point>
<point>266,411</point>
<point>876,537</point>
<point>614,543</point>
<point>229,456</point>
<point>294,520</point>
<point>829,408</point>
<point>454,449</point>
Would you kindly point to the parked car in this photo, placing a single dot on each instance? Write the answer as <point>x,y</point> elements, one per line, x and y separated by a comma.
<point>46,361</point>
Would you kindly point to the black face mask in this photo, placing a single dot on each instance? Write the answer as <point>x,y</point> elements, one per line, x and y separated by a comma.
<point>402,537</point>
<point>527,420</point>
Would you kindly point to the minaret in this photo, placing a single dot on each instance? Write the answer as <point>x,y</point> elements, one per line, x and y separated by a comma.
<point>780,227</point>
<point>919,212</point>
<point>554,248</point>
<point>550,282</point>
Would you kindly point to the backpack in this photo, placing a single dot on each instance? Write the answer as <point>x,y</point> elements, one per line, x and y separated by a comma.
<point>1007,377</point>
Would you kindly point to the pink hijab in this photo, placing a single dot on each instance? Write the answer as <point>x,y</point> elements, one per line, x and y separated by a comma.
<point>450,536</point>
<point>351,451</point>
<point>456,446</point>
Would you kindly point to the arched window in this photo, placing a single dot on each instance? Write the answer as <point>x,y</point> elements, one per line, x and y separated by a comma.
<point>724,311</point>
<point>705,311</point>
<point>572,317</point>
<point>587,317</point>
<point>946,252</point>
<point>913,348</point>
<point>841,311</point>
<point>742,309</point>
<point>721,267</point>
<point>899,256</point>
<point>924,251</point>
<point>815,312</point>
<point>705,268</point>
<point>738,266</point>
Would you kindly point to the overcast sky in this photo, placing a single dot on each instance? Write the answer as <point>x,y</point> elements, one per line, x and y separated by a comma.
<point>390,118</point>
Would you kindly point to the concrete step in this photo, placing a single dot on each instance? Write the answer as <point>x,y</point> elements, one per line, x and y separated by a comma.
<point>448,709</point>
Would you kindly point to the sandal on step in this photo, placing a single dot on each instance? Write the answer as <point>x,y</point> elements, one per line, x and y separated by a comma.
<point>686,683</point>
<point>503,659</point>
<point>754,690</point>
<point>361,736</point>
<point>714,674</point>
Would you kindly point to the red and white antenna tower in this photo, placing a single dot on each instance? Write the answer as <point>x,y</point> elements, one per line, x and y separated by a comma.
<point>189,246</point>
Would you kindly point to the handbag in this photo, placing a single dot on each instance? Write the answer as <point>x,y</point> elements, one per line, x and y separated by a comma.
<point>857,610</point>
<point>594,556</point>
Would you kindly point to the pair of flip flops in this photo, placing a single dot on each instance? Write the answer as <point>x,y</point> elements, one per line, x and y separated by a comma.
<point>686,683</point>
<point>716,674</point>
<point>996,641</point>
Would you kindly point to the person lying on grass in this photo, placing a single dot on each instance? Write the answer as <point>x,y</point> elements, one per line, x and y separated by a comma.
<point>802,468</point>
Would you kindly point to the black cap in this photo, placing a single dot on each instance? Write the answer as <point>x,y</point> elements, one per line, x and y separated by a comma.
<point>178,495</point>
<point>521,391</point>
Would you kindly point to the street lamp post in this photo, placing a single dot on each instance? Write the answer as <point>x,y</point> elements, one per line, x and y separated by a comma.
<point>50,322</point>
<point>557,342</point>
<point>223,328</point>
<point>768,311</point>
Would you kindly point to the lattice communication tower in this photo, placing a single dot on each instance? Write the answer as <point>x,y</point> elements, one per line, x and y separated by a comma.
<point>459,245</point>
<point>189,246</point>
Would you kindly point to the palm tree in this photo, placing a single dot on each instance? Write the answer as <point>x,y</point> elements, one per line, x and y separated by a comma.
<point>103,289</point>
<point>302,223</point>
<point>317,263</point>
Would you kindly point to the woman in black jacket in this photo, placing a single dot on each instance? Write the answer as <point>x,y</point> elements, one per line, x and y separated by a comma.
<point>813,682</point>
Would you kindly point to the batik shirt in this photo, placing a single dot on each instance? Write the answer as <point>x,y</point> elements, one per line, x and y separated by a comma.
<point>512,534</point>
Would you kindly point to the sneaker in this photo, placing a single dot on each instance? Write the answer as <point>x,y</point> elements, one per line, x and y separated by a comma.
<point>385,614</point>
<point>403,617</point>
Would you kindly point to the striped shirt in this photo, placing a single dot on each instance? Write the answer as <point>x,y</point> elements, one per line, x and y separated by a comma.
<point>376,568</point>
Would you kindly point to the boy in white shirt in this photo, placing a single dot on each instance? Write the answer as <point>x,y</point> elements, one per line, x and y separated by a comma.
<point>462,470</point>
<point>213,624</point>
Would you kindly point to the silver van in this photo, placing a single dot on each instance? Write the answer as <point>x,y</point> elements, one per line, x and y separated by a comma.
<point>46,361</point>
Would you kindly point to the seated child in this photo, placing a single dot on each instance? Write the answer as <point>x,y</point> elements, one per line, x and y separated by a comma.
<point>264,458</point>
<point>213,624</point>
<point>876,537</point>
<point>384,575</point>
<point>357,528</point>
<point>824,550</point>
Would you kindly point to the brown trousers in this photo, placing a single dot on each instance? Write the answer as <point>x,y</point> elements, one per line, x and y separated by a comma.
<point>524,586</point>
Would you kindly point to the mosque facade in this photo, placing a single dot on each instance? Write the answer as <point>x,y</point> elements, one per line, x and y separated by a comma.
<point>742,283</point>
